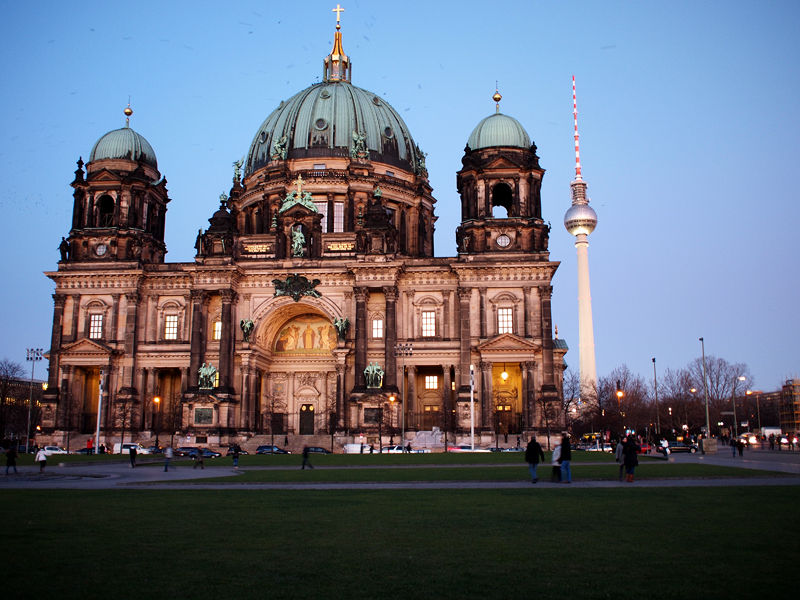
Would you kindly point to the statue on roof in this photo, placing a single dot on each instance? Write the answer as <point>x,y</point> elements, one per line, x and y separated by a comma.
<point>279,148</point>
<point>359,148</point>
<point>237,170</point>
<point>298,241</point>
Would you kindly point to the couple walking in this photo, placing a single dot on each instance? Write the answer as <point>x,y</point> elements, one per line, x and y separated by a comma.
<point>562,456</point>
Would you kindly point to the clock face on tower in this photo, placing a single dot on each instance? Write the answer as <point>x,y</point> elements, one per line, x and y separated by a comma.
<point>503,240</point>
<point>100,249</point>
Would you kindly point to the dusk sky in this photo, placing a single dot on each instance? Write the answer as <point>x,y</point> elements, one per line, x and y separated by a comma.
<point>688,115</point>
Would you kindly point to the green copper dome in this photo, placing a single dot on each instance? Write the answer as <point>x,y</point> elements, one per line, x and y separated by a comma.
<point>499,130</point>
<point>324,119</point>
<point>124,143</point>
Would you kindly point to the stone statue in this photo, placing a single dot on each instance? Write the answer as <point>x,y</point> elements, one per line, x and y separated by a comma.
<point>279,149</point>
<point>63,247</point>
<point>237,170</point>
<point>421,168</point>
<point>298,241</point>
<point>247,326</point>
<point>207,373</point>
<point>377,194</point>
<point>374,375</point>
<point>198,242</point>
<point>359,149</point>
<point>341,325</point>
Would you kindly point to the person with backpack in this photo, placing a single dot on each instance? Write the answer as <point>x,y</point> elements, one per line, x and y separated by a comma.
<point>533,453</point>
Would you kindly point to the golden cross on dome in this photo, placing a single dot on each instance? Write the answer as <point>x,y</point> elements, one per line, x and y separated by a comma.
<point>338,10</point>
<point>299,183</point>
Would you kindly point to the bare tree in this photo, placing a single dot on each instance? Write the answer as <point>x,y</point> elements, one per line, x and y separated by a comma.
<point>11,374</point>
<point>548,415</point>
<point>173,416</point>
<point>123,413</point>
<point>272,415</point>
<point>72,413</point>
<point>721,377</point>
<point>571,394</point>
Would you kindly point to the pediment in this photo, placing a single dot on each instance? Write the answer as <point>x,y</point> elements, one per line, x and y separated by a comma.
<point>501,162</point>
<point>507,342</point>
<point>299,210</point>
<point>85,347</point>
<point>104,175</point>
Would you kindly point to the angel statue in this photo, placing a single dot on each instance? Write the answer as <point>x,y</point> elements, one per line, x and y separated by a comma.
<point>247,328</point>
<point>341,325</point>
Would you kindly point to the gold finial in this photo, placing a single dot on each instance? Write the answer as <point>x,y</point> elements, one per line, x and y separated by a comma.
<point>299,183</point>
<point>338,10</point>
<point>497,97</point>
<point>128,112</point>
<point>556,331</point>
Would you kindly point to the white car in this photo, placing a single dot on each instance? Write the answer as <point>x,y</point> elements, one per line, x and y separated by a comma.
<point>396,449</point>
<point>49,450</point>
<point>466,448</point>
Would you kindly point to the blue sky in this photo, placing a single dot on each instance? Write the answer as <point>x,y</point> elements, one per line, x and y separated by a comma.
<point>688,116</point>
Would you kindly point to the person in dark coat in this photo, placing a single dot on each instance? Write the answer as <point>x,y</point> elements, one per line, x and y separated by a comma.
<point>532,455</point>
<point>630,452</point>
<point>11,459</point>
<point>306,460</point>
<point>132,453</point>
<point>566,457</point>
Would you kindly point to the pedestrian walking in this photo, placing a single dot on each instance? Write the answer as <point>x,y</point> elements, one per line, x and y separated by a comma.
<point>665,448</point>
<point>556,458</point>
<point>519,441</point>
<point>132,455</point>
<point>286,441</point>
<point>772,441</point>
<point>41,458</point>
<point>306,460</point>
<point>740,447</point>
<point>532,455</point>
<point>619,456</point>
<point>733,447</point>
<point>631,453</point>
<point>168,454</point>
<point>198,459</point>
<point>11,459</point>
<point>235,455</point>
<point>566,457</point>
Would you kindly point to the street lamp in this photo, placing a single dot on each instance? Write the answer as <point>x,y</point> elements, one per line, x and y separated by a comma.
<point>157,401</point>
<point>733,399</point>
<point>655,383</point>
<point>758,407</point>
<point>619,405</point>
<point>402,350</point>
<point>705,391</point>
<point>34,355</point>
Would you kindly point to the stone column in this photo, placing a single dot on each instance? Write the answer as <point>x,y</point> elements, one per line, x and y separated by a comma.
<point>486,394</point>
<point>340,412</point>
<point>464,297</point>
<point>530,392</point>
<point>129,359</point>
<point>184,379</point>
<point>76,314</point>
<point>390,340</point>
<point>446,329</point>
<point>526,310</point>
<point>226,343</point>
<point>447,397</point>
<point>483,313</point>
<point>152,376</point>
<point>546,293</point>
<point>151,334</point>
<point>114,316</point>
<point>198,336</point>
<point>247,396</point>
<point>411,394</point>
<point>59,300</point>
<point>362,294</point>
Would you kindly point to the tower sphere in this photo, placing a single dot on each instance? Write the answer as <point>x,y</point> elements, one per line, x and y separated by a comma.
<point>124,143</point>
<point>499,130</point>
<point>580,219</point>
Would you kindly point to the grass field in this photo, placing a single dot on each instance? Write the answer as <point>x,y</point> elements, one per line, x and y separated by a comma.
<point>556,543</point>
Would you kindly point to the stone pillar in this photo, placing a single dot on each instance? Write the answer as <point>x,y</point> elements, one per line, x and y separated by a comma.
<point>114,316</point>
<point>526,309</point>
<point>226,343</point>
<point>546,293</point>
<point>247,396</point>
<point>530,392</point>
<point>151,333</point>
<point>340,412</point>
<point>152,376</point>
<point>447,397</point>
<point>59,300</point>
<point>76,314</point>
<point>362,294</point>
<point>464,297</point>
<point>184,379</point>
<point>483,313</point>
<point>486,394</point>
<point>198,336</point>
<point>446,328</point>
<point>129,359</point>
<point>390,340</point>
<point>411,394</point>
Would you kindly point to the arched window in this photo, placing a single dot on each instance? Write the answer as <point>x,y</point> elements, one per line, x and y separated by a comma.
<point>502,197</point>
<point>105,211</point>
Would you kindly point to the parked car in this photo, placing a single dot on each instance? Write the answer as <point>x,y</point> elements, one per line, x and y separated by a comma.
<point>230,450</point>
<point>271,450</point>
<point>206,453</point>
<point>680,447</point>
<point>513,449</point>
<point>183,450</point>
<point>155,450</point>
<point>466,448</point>
<point>126,448</point>
<point>48,450</point>
<point>391,449</point>
<point>84,451</point>
<point>645,448</point>
<point>318,450</point>
<point>605,448</point>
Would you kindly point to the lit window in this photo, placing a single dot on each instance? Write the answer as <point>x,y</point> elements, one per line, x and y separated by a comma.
<point>431,408</point>
<point>96,327</point>
<point>218,330</point>
<point>338,217</point>
<point>171,327</point>
<point>216,379</point>
<point>431,382</point>
<point>428,323</point>
<point>377,328</point>
<point>322,208</point>
<point>505,320</point>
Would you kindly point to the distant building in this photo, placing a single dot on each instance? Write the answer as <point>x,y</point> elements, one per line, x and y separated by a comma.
<point>790,406</point>
<point>318,263</point>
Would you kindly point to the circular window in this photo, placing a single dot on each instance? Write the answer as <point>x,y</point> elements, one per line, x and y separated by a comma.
<point>324,94</point>
<point>320,124</point>
<point>503,240</point>
<point>100,249</point>
<point>388,132</point>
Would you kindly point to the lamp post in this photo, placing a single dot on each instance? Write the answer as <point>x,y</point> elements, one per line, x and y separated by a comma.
<point>157,401</point>
<point>619,405</point>
<point>758,407</point>
<point>655,383</point>
<point>34,355</point>
<point>733,399</point>
<point>472,407</point>
<point>705,392</point>
<point>402,350</point>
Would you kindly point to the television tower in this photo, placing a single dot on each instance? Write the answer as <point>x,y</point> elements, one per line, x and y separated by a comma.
<point>580,221</point>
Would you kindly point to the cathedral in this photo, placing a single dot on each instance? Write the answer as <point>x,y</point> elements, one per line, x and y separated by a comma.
<point>315,304</point>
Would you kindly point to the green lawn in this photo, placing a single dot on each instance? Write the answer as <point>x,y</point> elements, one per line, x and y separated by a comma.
<point>442,544</point>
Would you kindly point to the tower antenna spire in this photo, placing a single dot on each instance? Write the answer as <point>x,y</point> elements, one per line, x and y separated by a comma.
<point>575,116</point>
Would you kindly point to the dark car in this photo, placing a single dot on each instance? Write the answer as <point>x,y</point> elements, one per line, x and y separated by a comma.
<point>645,448</point>
<point>318,450</point>
<point>206,453</point>
<point>271,450</point>
<point>230,450</point>
<point>680,447</point>
<point>81,451</point>
<point>156,450</point>
<point>183,450</point>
